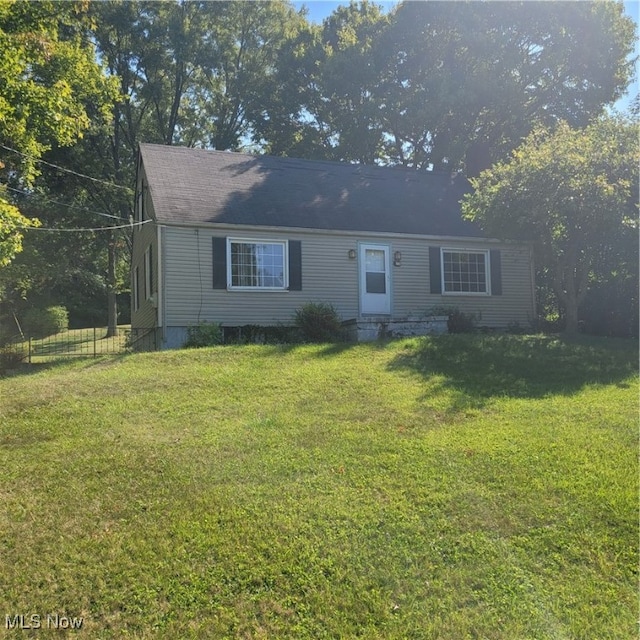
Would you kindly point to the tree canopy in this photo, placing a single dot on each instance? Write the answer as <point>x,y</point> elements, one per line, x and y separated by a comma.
<point>428,85</point>
<point>464,74</point>
<point>432,82</point>
<point>573,192</point>
<point>48,78</point>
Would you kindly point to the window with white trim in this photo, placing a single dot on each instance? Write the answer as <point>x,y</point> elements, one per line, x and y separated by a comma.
<point>136,289</point>
<point>148,274</point>
<point>465,271</point>
<point>255,264</point>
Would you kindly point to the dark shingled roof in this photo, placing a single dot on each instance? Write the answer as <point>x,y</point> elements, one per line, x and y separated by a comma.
<point>194,186</point>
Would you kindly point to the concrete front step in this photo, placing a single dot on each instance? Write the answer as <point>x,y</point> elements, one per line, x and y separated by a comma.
<point>367,329</point>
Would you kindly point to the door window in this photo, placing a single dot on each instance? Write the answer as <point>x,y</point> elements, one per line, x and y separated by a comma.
<point>375,274</point>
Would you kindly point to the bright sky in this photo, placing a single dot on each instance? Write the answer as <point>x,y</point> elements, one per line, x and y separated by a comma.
<point>318,10</point>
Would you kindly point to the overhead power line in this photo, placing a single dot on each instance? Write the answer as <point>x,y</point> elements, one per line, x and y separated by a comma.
<point>59,168</point>
<point>63,204</point>
<point>61,229</point>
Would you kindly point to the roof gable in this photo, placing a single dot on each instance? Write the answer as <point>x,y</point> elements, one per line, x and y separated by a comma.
<point>195,186</point>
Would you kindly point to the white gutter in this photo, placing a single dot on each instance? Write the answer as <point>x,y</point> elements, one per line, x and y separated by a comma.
<point>160,259</point>
<point>248,228</point>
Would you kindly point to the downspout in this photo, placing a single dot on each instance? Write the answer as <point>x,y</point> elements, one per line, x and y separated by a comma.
<point>160,311</point>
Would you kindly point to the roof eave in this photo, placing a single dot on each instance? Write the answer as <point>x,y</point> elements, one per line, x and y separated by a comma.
<point>333,232</point>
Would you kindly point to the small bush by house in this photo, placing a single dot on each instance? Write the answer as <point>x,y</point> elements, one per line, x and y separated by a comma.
<point>457,321</point>
<point>205,334</point>
<point>319,322</point>
<point>259,334</point>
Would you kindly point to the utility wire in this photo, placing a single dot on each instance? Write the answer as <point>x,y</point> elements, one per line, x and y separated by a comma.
<point>75,173</point>
<point>62,204</point>
<point>120,226</point>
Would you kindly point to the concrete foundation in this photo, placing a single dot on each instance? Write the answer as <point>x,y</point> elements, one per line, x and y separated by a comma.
<point>368,329</point>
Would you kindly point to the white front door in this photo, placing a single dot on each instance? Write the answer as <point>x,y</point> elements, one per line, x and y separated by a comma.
<point>375,289</point>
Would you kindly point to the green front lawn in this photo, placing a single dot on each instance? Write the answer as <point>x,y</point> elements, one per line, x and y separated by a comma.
<point>453,487</point>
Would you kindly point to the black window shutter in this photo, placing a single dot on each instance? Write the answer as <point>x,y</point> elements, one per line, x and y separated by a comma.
<point>435,273</point>
<point>496,272</point>
<point>295,265</point>
<point>219,263</point>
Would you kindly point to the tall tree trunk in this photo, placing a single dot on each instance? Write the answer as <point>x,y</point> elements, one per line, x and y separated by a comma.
<point>570,284</point>
<point>571,315</point>
<point>112,301</point>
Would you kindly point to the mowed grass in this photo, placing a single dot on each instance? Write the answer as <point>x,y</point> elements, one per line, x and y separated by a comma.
<point>453,487</point>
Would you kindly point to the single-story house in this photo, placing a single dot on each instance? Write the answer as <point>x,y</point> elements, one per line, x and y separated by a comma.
<point>247,240</point>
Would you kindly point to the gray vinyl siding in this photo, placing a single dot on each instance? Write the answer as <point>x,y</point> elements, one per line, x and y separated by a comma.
<point>515,305</point>
<point>145,236</point>
<point>328,275</point>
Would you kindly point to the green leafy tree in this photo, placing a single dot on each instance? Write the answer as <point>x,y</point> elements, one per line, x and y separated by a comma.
<point>236,72</point>
<point>324,101</point>
<point>167,59</point>
<point>12,226</point>
<point>476,77</point>
<point>193,73</point>
<point>74,268</point>
<point>573,193</point>
<point>443,84</point>
<point>47,74</point>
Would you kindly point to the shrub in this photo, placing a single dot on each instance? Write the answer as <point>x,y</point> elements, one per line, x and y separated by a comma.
<point>610,308</point>
<point>514,328</point>
<point>457,321</point>
<point>258,334</point>
<point>249,334</point>
<point>319,322</point>
<point>282,334</point>
<point>40,323</point>
<point>205,334</point>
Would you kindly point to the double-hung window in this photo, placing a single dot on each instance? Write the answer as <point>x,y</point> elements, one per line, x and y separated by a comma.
<point>257,264</point>
<point>465,271</point>
<point>148,273</point>
<point>136,288</point>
